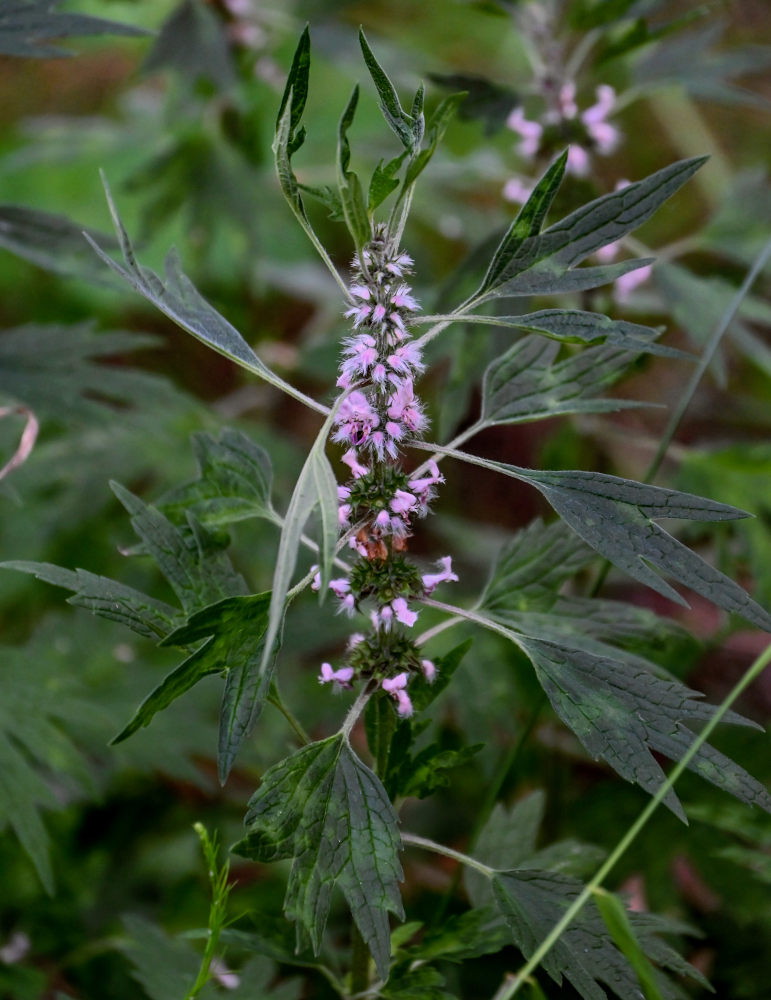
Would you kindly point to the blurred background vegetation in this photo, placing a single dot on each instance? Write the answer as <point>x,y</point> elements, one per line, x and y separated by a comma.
<point>180,119</point>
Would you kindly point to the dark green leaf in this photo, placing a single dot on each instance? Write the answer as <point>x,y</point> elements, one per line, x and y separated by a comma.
<point>614,516</point>
<point>526,225</point>
<point>325,810</point>
<point>400,122</point>
<point>422,982</point>
<point>349,186</point>
<point>197,569</point>
<point>421,692</point>
<point>527,383</point>
<point>460,937</point>
<point>165,967</point>
<point>383,182</point>
<point>532,901</point>
<point>328,197</point>
<point>548,278</point>
<point>587,14</point>
<point>106,598</point>
<point>572,326</point>
<point>26,25</point>
<point>296,93</point>
<point>556,251</point>
<point>232,629</point>
<point>621,710</point>
<point>234,481</point>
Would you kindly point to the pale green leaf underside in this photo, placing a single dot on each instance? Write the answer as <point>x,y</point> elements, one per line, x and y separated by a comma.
<point>330,814</point>
<point>177,298</point>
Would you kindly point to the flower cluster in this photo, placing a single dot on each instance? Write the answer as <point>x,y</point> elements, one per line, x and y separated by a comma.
<point>377,415</point>
<point>586,132</point>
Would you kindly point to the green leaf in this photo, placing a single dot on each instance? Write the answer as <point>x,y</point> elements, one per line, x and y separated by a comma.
<point>52,241</point>
<point>165,967</point>
<point>459,937</point>
<point>526,225</point>
<point>296,94</point>
<point>508,840</point>
<point>422,694</point>
<point>549,278</point>
<point>105,598</point>
<point>420,983</point>
<point>178,298</point>
<point>38,712</point>
<point>26,25</point>
<point>192,41</point>
<point>402,124</point>
<point>383,182</point>
<point>532,901</point>
<point>621,709</point>
<point>616,919</point>
<point>232,629</point>
<point>328,197</point>
<point>234,481</point>
<point>330,814</point>
<point>316,487</point>
<point>543,259</point>
<point>195,566</point>
<point>573,326</point>
<point>349,186</point>
<point>52,370</point>
<point>614,516</point>
<point>527,383</point>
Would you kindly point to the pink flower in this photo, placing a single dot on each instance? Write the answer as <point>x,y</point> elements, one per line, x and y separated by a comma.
<point>339,587</point>
<point>432,580</point>
<point>355,419</point>
<point>403,613</point>
<point>626,284</point>
<point>341,678</point>
<point>402,406</point>
<point>402,502</point>
<point>530,132</point>
<point>423,486</point>
<point>403,704</point>
<point>344,515</point>
<point>517,191</point>
<point>429,670</point>
<point>402,299</point>
<point>405,358</point>
<point>378,313</point>
<point>357,470</point>
<point>355,638</point>
<point>393,684</point>
<point>360,292</point>
<point>578,161</point>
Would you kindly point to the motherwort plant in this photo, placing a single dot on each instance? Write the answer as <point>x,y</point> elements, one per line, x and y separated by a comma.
<point>333,815</point>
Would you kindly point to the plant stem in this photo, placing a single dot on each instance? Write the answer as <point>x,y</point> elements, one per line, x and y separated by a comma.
<point>512,986</point>
<point>276,700</point>
<point>448,852</point>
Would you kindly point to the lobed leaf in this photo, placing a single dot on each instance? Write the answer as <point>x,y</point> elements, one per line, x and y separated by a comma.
<point>197,569</point>
<point>529,261</point>
<point>296,94</point>
<point>234,481</point>
<point>614,516</point>
<point>532,901</point>
<point>232,629</point>
<point>383,182</point>
<point>621,710</point>
<point>616,919</point>
<point>178,298</point>
<point>106,598</point>
<point>527,383</point>
<point>330,814</point>
<point>547,278</point>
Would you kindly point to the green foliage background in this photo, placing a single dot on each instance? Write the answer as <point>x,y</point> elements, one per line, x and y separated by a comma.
<point>181,124</point>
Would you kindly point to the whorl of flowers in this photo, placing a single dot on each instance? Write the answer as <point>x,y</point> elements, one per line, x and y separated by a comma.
<point>377,504</point>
